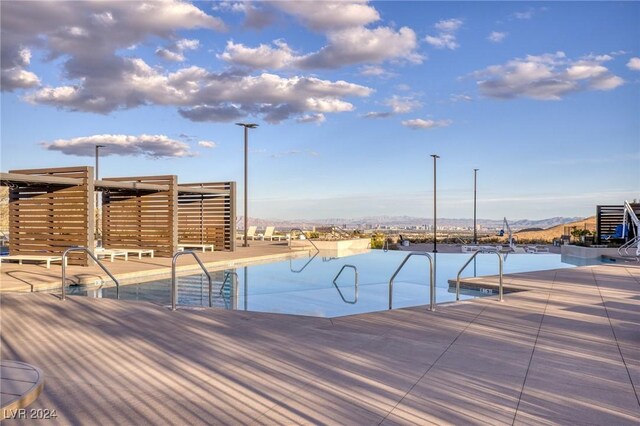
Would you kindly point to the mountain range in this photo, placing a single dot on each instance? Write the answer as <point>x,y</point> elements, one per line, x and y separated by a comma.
<point>408,221</point>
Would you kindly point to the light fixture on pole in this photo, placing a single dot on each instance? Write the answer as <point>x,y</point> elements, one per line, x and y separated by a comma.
<point>97,176</point>
<point>435,232</point>
<point>475,186</point>
<point>246,126</point>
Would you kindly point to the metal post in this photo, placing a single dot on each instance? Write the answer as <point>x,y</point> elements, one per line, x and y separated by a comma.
<point>246,126</point>
<point>435,232</point>
<point>475,181</point>
<point>97,176</point>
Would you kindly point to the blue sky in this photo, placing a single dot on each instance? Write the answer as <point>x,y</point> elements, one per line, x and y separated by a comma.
<point>351,99</point>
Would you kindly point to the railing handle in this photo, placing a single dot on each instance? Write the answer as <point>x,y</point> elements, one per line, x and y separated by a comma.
<point>174,286</point>
<point>226,276</point>
<point>355,271</point>
<point>432,284</point>
<point>86,250</point>
<point>467,264</point>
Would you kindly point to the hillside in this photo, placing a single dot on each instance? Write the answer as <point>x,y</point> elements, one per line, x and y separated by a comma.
<point>556,231</point>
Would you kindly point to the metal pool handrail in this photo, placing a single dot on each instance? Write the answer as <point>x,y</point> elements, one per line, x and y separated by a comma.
<point>86,250</point>
<point>467,264</point>
<point>305,237</point>
<point>226,277</point>
<point>174,282</point>
<point>432,285</point>
<point>355,271</point>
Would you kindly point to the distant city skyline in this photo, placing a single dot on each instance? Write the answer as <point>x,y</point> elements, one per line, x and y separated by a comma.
<point>351,97</point>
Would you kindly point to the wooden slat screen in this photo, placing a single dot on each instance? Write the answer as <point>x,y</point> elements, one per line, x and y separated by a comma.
<point>142,219</point>
<point>45,219</point>
<point>208,218</point>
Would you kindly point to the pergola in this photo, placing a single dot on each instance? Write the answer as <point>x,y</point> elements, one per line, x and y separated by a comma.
<point>53,209</point>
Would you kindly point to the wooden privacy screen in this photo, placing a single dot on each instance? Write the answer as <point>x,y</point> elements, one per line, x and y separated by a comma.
<point>45,218</point>
<point>208,218</point>
<point>141,219</point>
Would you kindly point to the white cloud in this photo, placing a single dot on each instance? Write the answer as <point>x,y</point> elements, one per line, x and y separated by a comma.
<point>398,105</point>
<point>448,25</point>
<point>175,51</point>
<point>87,35</point>
<point>207,144</point>
<point>496,37</point>
<point>460,98</point>
<point>311,118</point>
<point>446,38</point>
<point>261,57</point>
<point>345,47</point>
<point>546,77</point>
<point>419,123</point>
<point>375,71</point>
<point>634,64</point>
<point>329,15</point>
<point>362,45</point>
<point>153,146</point>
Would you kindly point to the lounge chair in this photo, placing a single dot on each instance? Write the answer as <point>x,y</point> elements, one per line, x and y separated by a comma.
<point>536,249</point>
<point>251,233</point>
<point>110,253</point>
<point>136,251</point>
<point>203,247</point>
<point>268,234</point>
<point>23,257</point>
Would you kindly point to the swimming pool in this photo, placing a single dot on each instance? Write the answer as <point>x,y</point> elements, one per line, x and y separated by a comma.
<point>304,286</point>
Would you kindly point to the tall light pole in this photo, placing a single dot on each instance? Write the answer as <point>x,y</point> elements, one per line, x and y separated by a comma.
<point>435,236</point>
<point>97,217</point>
<point>246,126</point>
<point>475,186</point>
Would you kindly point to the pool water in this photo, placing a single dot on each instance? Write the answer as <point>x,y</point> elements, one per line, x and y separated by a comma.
<point>304,286</point>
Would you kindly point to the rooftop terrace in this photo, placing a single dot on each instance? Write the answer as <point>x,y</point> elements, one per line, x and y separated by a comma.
<point>565,352</point>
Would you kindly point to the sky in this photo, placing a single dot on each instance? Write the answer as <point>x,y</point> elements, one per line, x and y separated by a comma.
<point>351,99</point>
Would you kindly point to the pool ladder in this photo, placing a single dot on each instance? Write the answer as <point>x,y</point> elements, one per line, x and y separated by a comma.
<point>473,256</point>
<point>95,259</point>
<point>174,281</point>
<point>432,284</point>
<point>355,297</point>
<point>312,257</point>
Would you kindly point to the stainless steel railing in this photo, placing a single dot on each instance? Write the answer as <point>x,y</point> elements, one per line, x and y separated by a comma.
<point>305,237</point>
<point>91,255</point>
<point>468,262</point>
<point>174,281</point>
<point>355,271</point>
<point>226,277</point>
<point>297,271</point>
<point>432,284</point>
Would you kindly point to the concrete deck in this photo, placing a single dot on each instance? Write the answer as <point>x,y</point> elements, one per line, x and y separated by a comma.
<point>565,352</point>
<point>32,277</point>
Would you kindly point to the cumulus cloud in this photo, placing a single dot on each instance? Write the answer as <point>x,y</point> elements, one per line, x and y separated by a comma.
<point>496,37</point>
<point>13,74</point>
<point>261,57</point>
<point>330,15</point>
<point>175,51</point>
<point>446,37</point>
<point>152,146</point>
<point>87,35</point>
<point>634,64</point>
<point>207,144</point>
<point>345,47</point>
<point>419,123</point>
<point>397,105</point>
<point>256,15</point>
<point>375,71</point>
<point>546,77</point>
<point>311,118</point>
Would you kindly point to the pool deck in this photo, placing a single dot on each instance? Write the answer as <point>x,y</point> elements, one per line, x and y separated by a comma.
<point>36,277</point>
<point>565,352</point>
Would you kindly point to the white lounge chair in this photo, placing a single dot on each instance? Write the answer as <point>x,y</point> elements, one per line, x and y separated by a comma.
<point>110,253</point>
<point>203,247</point>
<point>23,257</point>
<point>136,251</point>
<point>536,249</point>
<point>268,234</point>
<point>251,233</point>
